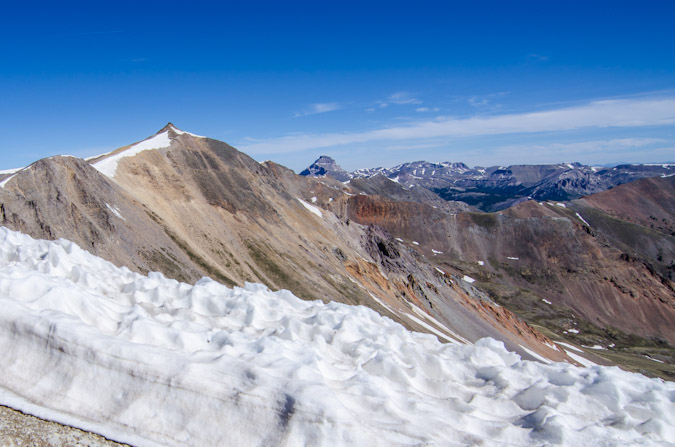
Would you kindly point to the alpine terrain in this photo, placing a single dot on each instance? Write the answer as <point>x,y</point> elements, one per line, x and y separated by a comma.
<point>177,292</point>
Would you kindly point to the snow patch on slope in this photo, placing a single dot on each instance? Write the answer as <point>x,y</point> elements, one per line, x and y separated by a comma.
<point>582,219</point>
<point>150,361</point>
<point>115,211</point>
<point>108,166</point>
<point>181,132</point>
<point>311,208</point>
<point>4,182</point>
<point>468,279</point>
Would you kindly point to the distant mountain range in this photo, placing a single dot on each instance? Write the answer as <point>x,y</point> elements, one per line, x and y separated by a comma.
<point>499,187</point>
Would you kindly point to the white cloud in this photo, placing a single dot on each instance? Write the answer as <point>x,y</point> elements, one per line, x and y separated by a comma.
<point>580,148</point>
<point>596,151</point>
<point>426,109</point>
<point>320,108</point>
<point>596,114</point>
<point>477,102</point>
<point>412,146</point>
<point>399,98</point>
<point>403,98</point>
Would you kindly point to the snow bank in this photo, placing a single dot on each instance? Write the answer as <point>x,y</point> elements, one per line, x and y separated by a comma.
<point>108,166</point>
<point>151,361</point>
<point>311,208</point>
<point>468,279</point>
<point>582,219</point>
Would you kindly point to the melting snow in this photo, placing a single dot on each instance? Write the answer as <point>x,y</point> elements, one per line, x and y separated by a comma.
<point>436,252</point>
<point>469,279</point>
<point>569,346</point>
<point>313,199</point>
<point>399,239</point>
<point>582,219</point>
<point>313,209</point>
<point>425,315</point>
<point>181,132</point>
<point>539,357</point>
<point>415,243</point>
<point>431,329</point>
<point>546,301</point>
<point>512,258</point>
<point>562,205</point>
<point>108,166</point>
<point>115,211</point>
<point>481,263</point>
<point>581,360</point>
<point>654,360</point>
<point>10,171</point>
<point>4,182</point>
<point>150,361</point>
<point>574,331</point>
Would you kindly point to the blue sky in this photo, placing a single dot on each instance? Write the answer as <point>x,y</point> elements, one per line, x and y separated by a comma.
<point>371,84</point>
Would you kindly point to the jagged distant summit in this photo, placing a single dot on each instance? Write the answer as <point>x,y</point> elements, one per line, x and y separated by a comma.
<point>325,165</point>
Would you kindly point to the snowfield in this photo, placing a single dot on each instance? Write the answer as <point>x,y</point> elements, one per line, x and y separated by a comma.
<point>150,361</point>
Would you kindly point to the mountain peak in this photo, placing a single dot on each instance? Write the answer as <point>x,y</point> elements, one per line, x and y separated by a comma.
<point>325,165</point>
<point>169,126</point>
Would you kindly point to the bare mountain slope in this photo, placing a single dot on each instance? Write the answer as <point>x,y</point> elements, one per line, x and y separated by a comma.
<point>586,275</point>
<point>647,202</point>
<point>190,206</point>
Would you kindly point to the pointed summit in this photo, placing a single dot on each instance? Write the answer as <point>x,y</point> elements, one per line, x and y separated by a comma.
<point>324,165</point>
<point>172,127</point>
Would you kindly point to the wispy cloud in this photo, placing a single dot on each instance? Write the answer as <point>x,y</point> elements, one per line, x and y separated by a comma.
<point>584,151</point>
<point>412,146</point>
<point>403,98</point>
<point>481,101</point>
<point>398,98</point>
<point>315,109</point>
<point>596,114</point>
<point>582,147</point>
<point>427,109</point>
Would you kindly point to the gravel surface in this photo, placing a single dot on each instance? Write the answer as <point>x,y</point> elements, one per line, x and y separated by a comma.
<point>21,430</point>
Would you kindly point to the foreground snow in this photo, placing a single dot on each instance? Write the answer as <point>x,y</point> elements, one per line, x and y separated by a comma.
<point>150,361</point>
